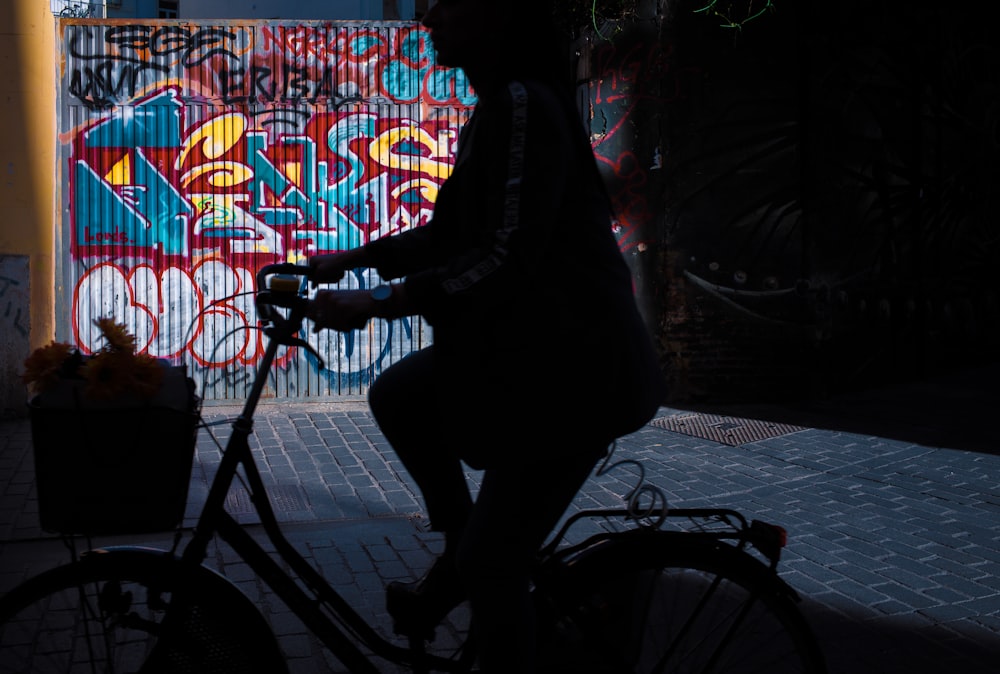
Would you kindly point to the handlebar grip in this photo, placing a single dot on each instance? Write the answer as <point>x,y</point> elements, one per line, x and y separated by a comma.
<point>285,283</point>
<point>279,285</point>
<point>284,288</point>
<point>269,298</point>
<point>284,269</point>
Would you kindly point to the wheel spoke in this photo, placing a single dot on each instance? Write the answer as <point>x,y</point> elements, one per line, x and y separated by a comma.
<point>695,611</point>
<point>126,613</point>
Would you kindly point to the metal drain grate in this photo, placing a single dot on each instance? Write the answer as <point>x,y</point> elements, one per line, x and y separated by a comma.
<point>731,431</point>
<point>284,498</point>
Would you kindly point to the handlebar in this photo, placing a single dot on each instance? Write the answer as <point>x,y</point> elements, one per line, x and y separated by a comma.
<point>284,269</point>
<point>284,285</point>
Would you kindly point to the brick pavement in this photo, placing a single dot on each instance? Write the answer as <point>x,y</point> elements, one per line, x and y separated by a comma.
<point>894,546</point>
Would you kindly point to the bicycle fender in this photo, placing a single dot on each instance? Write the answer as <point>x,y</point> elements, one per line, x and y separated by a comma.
<point>216,616</point>
<point>606,554</point>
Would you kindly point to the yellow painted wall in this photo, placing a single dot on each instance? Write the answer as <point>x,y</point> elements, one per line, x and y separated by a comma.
<point>27,151</point>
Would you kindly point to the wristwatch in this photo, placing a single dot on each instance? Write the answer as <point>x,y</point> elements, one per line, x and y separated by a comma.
<point>381,293</point>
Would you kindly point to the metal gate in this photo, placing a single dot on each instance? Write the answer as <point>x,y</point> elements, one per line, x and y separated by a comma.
<point>192,153</point>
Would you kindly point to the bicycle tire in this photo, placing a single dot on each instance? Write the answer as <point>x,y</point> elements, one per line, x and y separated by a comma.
<point>133,610</point>
<point>630,604</point>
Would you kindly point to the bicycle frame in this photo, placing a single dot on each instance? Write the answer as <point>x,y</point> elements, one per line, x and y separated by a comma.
<point>311,597</point>
<point>320,607</point>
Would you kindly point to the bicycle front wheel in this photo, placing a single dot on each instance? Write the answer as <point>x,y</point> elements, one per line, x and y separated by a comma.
<point>133,610</point>
<point>658,604</point>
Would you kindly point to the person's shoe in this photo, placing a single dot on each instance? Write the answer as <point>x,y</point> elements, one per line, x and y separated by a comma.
<point>418,607</point>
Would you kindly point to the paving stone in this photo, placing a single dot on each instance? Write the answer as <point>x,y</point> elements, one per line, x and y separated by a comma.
<point>894,547</point>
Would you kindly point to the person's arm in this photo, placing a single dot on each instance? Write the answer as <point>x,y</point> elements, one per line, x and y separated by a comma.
<point>331,267</point>
<point>347,310</point>
<point>393,256</point>
<point>508,202</point>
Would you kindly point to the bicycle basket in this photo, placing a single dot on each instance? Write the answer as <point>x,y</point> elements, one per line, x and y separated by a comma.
<point>114,467</point>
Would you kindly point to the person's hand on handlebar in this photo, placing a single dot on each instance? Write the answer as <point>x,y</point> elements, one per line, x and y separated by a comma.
<point>331,267</point>
<point>341,310</point>
<point>346,310</point>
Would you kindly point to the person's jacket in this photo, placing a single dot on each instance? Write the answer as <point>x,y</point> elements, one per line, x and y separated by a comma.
<point>519,273</point>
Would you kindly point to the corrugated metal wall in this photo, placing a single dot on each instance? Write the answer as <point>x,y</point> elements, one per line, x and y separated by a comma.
<point>192,153</point>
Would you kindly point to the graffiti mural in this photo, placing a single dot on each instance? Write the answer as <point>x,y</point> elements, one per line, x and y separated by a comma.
<point>627,82</point>
<point>193,154</point>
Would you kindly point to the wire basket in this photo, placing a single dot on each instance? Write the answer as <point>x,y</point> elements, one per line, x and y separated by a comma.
<point>115,467</point>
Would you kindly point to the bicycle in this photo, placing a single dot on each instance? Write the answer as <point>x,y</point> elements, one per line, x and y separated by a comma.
<point>81,10</point>
<point>653,590</point>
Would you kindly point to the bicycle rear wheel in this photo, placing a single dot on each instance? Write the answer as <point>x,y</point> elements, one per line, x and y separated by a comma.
<point>656,603</point>
<point>133,610</point>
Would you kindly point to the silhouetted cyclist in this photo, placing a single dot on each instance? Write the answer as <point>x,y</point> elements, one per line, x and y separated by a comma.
<point>540,356</point>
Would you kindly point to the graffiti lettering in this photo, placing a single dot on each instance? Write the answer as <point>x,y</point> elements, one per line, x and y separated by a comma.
<point>101,85</point>
<point>14,295</point>
<point>113,236</point>
<point>193,46</point>
<point>286,63</point>
<point>212,150</point>
<point>207,315</point>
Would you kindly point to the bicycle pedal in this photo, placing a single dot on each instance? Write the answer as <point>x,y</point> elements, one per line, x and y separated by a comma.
<point>417,608</point>
<point>414,632</point>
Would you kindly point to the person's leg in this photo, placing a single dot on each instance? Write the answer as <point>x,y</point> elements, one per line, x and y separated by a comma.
<point>516,509</point>
<point>403,402</point>
<point>404,406</point>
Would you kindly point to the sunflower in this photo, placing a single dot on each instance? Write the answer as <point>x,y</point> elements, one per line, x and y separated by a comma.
<point>107,375</point>
<point>116,334</point>
<point>115,370</point>
<point>45,366</point>
<point>146,375</point>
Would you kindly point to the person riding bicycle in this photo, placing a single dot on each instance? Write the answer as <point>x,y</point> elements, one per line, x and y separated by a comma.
<point>540,358</point>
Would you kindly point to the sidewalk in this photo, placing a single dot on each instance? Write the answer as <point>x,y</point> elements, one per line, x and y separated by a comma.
<point>893,544</point>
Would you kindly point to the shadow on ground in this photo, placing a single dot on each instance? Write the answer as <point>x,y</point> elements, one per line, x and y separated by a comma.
<point>957,410</point>
<point>856,643</point>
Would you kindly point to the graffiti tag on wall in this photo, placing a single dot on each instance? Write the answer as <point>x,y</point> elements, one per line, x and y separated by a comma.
<point>197,154</point>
